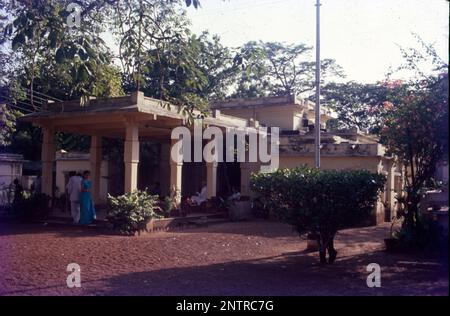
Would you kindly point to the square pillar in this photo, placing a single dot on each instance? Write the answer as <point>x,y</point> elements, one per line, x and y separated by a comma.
<point>390,186</point>
<point>176,169</point>
<point>211,179</point>
<point>95,157</point>
<point>245,178</point>
<point>47,158</point>
<point>164,166</point>
<point>131,156</point>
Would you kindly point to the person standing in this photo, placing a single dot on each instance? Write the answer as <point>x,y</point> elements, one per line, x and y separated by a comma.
<point>73,188</point>
<point>86,202</point>
<point>18,191</point>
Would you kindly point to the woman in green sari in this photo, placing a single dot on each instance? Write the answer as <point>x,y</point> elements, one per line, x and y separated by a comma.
<point>87,208</point>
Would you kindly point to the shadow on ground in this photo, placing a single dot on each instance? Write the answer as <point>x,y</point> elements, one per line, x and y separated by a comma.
<point>289,274</point>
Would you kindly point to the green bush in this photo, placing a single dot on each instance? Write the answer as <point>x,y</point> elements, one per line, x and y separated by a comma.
<point>34,206</point>
<point>131,212</point>
<point>319,202</point>
<point>428,236</point>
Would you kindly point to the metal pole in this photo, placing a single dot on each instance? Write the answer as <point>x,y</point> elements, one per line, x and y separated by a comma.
<point>317,110</point>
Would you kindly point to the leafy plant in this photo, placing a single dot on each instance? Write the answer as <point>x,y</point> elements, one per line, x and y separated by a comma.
<point>416,131</point>
<point>132,211</point>
<point>319,202</point>
<point>225,203</point>
<point>32,206</point>
<point>272,68</point>
<point>169,204</point>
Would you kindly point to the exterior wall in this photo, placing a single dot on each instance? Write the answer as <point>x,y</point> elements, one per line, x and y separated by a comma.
<point>9,171</point>
<point>297,120</point>
<point>368,163</point>
<point>282,116</point>
<point>63,167</point>
<point>28,181</point>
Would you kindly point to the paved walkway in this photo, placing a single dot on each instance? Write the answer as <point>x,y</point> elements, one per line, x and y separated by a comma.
<point>245,258</point>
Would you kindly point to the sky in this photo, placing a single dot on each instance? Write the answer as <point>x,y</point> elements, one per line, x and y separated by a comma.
<point>363,36</point>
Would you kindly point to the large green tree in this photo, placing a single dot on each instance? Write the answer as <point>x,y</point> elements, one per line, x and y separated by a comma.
<point>161,56</point>
<point>50,58</point>
<point>47,45</point>
<point>157,51</point>
<point>356,104</point>
<point>272,68</point>
<point>364,105</point>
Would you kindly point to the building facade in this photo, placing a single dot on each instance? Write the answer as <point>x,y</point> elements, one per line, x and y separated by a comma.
<point>136,119</point>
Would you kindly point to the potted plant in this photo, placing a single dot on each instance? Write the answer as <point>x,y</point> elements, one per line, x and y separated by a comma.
<point>168,205</point>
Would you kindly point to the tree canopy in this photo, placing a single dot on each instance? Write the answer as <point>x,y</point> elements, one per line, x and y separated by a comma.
<point>43,56</point>
<point>271,68</point>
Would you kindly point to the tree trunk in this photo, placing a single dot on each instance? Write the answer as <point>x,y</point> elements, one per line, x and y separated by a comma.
<point>326,243</point>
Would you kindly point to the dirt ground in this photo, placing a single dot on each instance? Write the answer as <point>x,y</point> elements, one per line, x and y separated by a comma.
<point>245,258</point>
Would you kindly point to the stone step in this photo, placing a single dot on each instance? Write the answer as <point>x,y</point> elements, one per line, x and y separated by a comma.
<point>207,221</point>
<point>193,219</point>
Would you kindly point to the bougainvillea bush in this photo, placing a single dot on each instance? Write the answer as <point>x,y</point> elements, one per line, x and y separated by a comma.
<point>319,202</point>
<point>416,131</point>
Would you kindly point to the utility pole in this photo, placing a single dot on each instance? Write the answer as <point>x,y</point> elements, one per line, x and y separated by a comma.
<point>317,111</point>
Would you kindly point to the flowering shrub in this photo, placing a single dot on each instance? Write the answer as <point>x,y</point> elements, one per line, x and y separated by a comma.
<point>319,202</point>
<point>416,131</point>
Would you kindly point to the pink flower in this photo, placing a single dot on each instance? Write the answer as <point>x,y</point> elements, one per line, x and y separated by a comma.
<point>388,105</point>
<point>408,98</point>
<point>392,84</point>
<point>371,109</point>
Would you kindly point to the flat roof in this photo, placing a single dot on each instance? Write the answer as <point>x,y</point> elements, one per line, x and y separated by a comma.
<point>271,101</point>
<point>109,117</point>
<point>9,157</point>
<point>259,102</point>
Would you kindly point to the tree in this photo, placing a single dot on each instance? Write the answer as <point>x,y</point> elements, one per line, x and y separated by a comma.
<point>192,72</point>
<point>50,57</point>
<point>7,124</point>
<point>416,131</point>
<point>319,202</point>
<point>217,64</point>
<point>356,104</point>
<point>159,56</point>
<point>272,68</point>
<point>254,81</point>
<point>162,58</point>
<point>364,105</point>
<point>38,33</point>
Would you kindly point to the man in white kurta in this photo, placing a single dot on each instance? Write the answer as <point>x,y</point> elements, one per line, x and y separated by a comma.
<point>200,197</point>
<point>73,190</point>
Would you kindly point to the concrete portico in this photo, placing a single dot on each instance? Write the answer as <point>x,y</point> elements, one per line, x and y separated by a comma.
<point>133,118</point>
<point>137,119</point>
